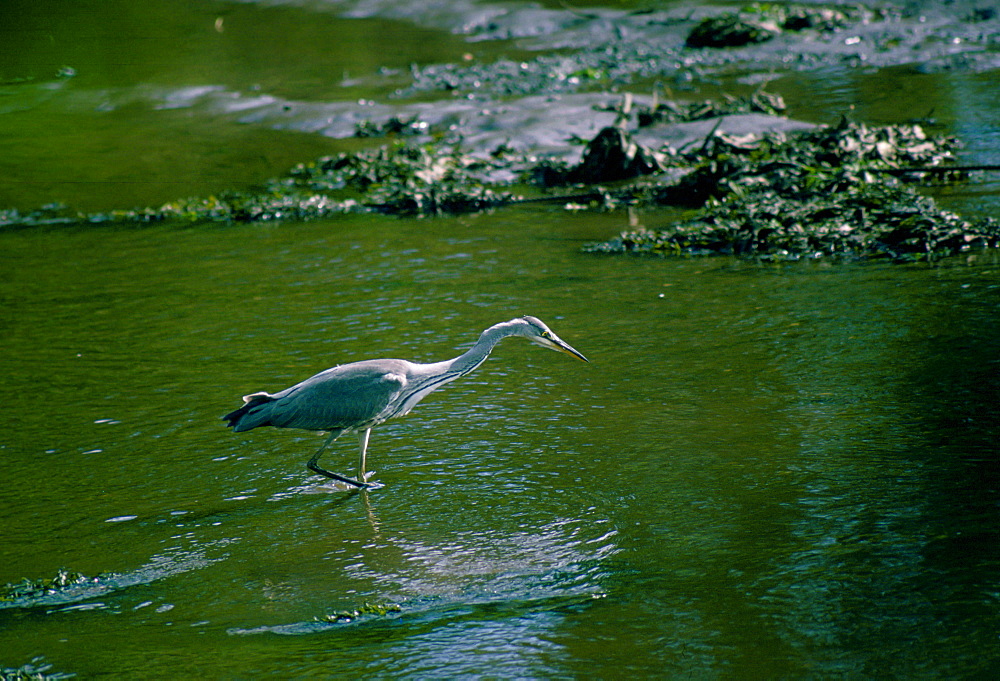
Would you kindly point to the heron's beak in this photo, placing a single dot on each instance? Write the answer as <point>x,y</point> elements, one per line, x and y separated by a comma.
<point>556,343</point>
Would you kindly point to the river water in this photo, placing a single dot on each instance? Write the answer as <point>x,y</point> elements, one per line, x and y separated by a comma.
<point>767,470</point>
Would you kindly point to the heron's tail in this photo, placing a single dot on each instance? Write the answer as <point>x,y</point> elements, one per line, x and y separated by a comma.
<point>248,416</point>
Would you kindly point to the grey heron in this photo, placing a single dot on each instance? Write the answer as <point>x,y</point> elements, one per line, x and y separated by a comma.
<point>353,398</point>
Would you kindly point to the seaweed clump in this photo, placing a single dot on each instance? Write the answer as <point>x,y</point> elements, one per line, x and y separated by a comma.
<point>840,190</point>
<point>678,112</point>
<point>365,610</point>
<point>821,192</point>
<point>31,589</point>
<point>400,178</point>
<point>760,22</point>
<point>396,126</point>
<point>33,671</point>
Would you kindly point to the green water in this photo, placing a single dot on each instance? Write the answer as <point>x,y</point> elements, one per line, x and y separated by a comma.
<point>117,134</point>
<point>766,471</point>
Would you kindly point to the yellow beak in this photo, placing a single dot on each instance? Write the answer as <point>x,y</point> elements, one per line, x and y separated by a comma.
<point>556,343</point>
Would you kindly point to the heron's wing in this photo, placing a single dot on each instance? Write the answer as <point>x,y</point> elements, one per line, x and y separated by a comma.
<point>343,397</point>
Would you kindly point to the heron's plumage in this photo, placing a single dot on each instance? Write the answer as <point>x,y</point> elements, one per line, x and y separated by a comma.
<point>355,397</point>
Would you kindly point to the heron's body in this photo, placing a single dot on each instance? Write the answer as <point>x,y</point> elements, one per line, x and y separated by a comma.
<point>353,398</point>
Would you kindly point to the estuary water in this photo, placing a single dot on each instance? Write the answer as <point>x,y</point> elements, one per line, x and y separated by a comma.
<point>767,470</point>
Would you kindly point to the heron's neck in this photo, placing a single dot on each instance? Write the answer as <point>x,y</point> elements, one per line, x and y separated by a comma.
<point>477,354</point>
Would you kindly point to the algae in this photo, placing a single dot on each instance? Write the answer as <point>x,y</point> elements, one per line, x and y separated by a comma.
<point>33,671</point>
<point>30,589</point>
<point>762,21</point>
<point>676,112</point>
<point>844,190</point>
<point>847,189</point>
<point>362,611</point>
<point>825,192</point>
<point>400,178</point>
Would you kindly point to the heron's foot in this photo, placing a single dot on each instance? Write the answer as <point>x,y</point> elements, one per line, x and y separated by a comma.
<point>339,478</point>
<point>371,485</point>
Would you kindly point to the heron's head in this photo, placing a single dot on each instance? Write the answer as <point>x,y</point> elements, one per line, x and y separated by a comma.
<point>537,332</point>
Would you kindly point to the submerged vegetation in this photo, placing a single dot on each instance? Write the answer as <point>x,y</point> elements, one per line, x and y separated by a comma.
<point>365,610</point>
<point>33,671</point>
<point>32,589</point>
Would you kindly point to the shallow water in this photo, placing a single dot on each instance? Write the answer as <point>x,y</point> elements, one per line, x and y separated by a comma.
<point>767,470</point>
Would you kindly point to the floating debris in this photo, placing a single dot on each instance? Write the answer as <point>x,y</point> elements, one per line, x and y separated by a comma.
<point>399,178</point>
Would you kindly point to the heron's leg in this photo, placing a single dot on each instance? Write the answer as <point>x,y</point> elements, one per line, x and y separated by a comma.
<point>363,445</point>
<point>315,468</point>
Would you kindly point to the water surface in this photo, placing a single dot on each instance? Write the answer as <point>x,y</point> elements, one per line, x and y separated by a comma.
<point>767,470</point>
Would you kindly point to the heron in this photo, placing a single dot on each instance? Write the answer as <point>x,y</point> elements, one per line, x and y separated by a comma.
<point>356,397</point>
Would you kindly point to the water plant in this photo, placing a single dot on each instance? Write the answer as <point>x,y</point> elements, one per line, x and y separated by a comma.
<point>833,190</point>
<point>847,189</point>
<point>28,589</point>
<point>364,610</point>
<point>32,671</point>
